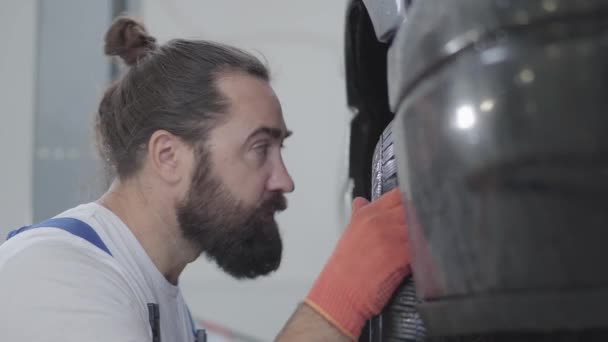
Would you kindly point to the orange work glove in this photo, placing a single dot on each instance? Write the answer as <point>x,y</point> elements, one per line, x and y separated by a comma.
<point>369,262</point>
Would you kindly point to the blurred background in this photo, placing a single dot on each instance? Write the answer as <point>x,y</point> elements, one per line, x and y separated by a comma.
<point>53,73</point>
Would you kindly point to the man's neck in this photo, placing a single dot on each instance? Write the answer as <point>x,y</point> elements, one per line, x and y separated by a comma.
<point>150,215</point>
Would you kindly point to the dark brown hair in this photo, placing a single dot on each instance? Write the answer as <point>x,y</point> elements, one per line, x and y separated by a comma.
<point>170,87</point>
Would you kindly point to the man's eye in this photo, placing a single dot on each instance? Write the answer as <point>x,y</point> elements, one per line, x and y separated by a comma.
<point>262,149</point>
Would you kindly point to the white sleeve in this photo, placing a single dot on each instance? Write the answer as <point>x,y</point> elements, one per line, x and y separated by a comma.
<point>59,291</point>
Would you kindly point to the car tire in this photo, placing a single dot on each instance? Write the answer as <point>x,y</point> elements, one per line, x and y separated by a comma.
<point>399,321</point>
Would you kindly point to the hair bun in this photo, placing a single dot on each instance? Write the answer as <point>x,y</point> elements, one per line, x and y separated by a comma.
<point>128,39</point>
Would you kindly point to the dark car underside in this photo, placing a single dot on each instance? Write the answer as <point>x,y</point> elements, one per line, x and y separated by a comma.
<point>490,118</point>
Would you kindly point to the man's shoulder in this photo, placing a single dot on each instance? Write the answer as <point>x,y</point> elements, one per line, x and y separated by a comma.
<point>52,246</point>
<point>31,253</point>
<point>59,261</point>
<point>56,279</point>
<point>56,237</point>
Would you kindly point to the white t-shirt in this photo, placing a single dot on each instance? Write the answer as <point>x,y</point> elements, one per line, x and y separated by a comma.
<point>56,286</point>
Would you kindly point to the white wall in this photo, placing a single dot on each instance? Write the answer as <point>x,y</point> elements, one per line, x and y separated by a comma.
<point>302,41</point>
<point>17,89</point>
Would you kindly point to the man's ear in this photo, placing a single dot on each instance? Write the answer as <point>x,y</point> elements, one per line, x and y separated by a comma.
<point>166,153</point>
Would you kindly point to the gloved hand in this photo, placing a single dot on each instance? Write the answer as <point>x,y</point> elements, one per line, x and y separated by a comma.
<point>369,262</point>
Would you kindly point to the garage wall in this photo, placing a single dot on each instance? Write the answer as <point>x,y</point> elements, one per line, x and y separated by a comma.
<point>17,91</point>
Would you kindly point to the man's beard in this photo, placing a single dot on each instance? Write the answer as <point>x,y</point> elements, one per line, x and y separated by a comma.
<point>243,240</point>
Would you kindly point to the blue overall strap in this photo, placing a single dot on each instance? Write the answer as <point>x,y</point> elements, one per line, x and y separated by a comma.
<point>70,225</point>
<point>200,335</point>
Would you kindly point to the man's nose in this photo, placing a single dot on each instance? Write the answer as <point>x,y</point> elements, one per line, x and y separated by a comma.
<point>280,180</point>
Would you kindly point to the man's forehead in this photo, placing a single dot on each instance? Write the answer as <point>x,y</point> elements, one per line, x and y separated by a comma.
<point>239,87</point>
<point>253,106</point>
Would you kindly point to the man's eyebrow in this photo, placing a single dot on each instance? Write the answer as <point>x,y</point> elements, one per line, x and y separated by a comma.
<point>275,133</point>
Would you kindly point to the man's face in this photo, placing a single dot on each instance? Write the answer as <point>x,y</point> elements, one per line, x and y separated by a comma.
<point>239,182</point>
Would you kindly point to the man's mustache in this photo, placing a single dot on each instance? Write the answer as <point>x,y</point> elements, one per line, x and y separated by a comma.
<point>276,202</point>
